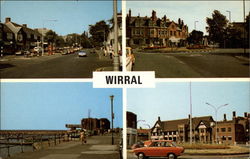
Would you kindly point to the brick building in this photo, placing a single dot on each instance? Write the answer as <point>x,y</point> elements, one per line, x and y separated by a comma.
<point>228,131</point>
<point>95,126</point>
<point>233,131</point>
<point>25,37</point>
<point>154,31</point>
<point>131,128</point>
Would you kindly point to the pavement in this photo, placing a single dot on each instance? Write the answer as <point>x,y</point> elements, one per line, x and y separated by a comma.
<point>96,147</point>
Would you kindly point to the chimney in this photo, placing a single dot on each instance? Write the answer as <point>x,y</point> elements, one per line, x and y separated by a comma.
<point>25,25</point>
<point>8,19</point>
<point>165,18</point>
<point>154,15</point>
<point>245,114</point>
<point>189,116</point>
<point>234,114</point>
<point>225,117</point>
<point>129,13</point>
<point>159,118</point>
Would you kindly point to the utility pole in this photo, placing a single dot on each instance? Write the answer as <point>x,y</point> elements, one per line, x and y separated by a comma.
<point>244,30</point>
<point>112,118</point>
<point>190,120</point>
<point>116,56</point>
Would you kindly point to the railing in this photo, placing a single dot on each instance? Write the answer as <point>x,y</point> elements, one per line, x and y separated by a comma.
<point>35,138</point>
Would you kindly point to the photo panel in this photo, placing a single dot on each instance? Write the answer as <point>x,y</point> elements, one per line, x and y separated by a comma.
<point>60,39</point>
<point>84,122</point>
<point>184,119</point>
<point>188,39</point>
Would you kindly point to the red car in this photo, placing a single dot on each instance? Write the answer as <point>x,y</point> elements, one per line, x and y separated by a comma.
<point>159,148</point>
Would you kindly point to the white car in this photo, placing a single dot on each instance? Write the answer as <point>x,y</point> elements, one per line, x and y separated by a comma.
<point>82,54</point>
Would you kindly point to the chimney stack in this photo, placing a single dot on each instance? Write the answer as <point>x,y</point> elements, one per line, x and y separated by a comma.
<point>159,118</point>
<point>154,18</point>
<point>8,19</point>
<point>225,117</point>
<point>234,114</point>
<point>245,114</point>
<point>25,25</point>
<point>129,13</point>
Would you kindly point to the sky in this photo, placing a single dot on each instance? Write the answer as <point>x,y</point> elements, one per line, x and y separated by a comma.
<point>72,16</point>
<point>171,100</point>
<point>189,11</point>
<point>50,105</point>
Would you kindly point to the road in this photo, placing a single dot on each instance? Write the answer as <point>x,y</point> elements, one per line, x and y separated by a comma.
<point>192,65</point>
<point>97,147</point>
<point>132,156</point>
<point>54,66</point>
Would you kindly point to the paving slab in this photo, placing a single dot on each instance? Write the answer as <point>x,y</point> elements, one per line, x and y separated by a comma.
<point>61,156</point>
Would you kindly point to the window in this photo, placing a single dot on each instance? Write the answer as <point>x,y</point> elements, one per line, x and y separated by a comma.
<point>223,129</point>
<point>9,36</point>
<point>229,137</point>
<point>171,33</point>
<point>152,32</point>
<point>218,130</point>
<point>229,129</point>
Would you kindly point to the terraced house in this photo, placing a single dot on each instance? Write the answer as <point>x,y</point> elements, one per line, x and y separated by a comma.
<point>154,31</point>
<point>203,130</point>
<point>19,37</point>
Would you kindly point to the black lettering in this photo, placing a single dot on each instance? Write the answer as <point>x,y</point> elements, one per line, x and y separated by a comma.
<point>127,79</point>
<point>109,79</point>
<point>139,80</point>
<point>133,80</point>
<point>120,79</point>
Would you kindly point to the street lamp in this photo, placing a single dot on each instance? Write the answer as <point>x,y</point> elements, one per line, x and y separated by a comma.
<point>195,24</point>
<point>216,110</point>
<point>229,12</point>
<point>112,117</point>
<point>42,33</point>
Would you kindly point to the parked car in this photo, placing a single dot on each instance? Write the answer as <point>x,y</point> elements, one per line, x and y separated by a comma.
<point>82,54</point>
<point>159,148</point>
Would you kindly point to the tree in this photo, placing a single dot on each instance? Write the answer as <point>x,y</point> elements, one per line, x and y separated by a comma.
<point>85,41</point>
<point>51,37</point>
<point>217,27</point>
<point>195,37</point>
<point>99,33</point>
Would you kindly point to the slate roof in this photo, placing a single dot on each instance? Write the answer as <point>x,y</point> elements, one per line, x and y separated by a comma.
<point>172,125</point>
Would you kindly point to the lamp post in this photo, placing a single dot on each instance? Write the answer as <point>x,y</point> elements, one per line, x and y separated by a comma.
<point>216,111</point>
<point>229,12</point>
<point>116,56</point>
<point>112,117</point>
<point>43,33</point>
<point>195,24</point>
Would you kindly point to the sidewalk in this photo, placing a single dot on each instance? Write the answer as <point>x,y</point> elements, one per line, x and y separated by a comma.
<point>106,58</point>
<point>96,147</point>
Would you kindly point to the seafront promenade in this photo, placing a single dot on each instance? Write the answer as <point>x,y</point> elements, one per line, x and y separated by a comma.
<point>96,147</point>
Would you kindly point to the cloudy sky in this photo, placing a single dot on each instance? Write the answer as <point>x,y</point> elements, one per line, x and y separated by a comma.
<point>189,11</point>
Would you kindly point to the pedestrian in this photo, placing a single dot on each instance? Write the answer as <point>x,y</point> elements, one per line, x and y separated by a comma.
<point>83,137</point>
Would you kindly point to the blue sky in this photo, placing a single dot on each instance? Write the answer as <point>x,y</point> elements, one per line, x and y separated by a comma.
<point>51,105</point>
<point>72,16</point>
<point>171,100</point>
<point>189,11</point>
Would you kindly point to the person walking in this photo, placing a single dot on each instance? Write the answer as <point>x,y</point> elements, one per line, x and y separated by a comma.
<point>83,137</point>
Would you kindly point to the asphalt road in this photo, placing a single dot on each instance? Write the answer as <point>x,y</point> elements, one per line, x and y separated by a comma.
<point>132,156</point>
<point>55,66</point>
<point>97,147</point>
<point>192,65</point>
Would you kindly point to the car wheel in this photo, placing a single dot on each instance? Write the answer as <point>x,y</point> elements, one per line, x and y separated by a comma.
<point>171,156</point>
<point>141,156</point>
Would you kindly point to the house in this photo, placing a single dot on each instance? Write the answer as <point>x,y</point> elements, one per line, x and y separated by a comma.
<point>25,38</point>
<point>7,39</point>
<point>154,31</point>
<point>203,130</point>
<point>233,131</point>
